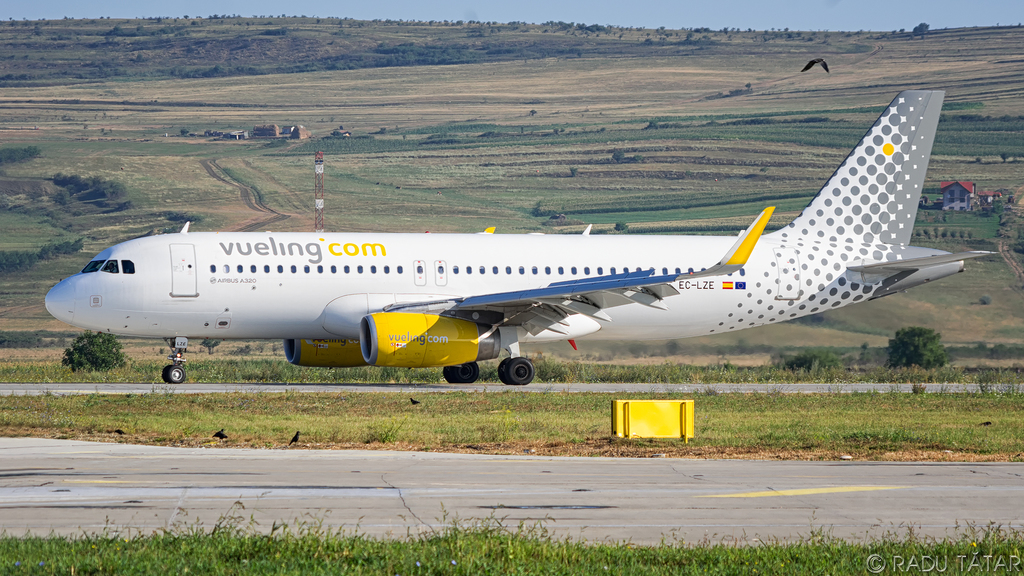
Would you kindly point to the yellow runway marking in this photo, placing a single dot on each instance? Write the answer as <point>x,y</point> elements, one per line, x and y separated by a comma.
<point>804,491</point>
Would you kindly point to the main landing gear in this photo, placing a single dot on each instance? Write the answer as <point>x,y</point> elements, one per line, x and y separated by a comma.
<point>516,371</point>
<point>512,371</point>
<point>461,374</point>
<point>174,373</point>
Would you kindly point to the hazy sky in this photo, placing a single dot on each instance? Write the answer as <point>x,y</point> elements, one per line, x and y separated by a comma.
<point>743,14</point>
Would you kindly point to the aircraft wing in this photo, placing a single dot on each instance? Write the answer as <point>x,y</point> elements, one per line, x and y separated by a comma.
<point>911,264</point>
<point>547,307</point>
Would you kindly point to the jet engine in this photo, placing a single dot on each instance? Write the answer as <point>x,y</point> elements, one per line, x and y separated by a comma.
<point>324,353</point>
<point>423,340</point>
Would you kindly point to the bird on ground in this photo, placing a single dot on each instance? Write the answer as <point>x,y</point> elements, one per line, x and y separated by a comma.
<point>414,401</point>
<point>816,61</point>
<point>294,438</point>
<point>986,423</point>
<point>118,431</point>
<point>220,434</point>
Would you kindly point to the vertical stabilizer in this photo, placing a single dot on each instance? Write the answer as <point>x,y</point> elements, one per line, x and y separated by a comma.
<point>872,198</point>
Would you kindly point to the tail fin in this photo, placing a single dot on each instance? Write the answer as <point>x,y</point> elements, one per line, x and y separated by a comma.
<point>872,198</point>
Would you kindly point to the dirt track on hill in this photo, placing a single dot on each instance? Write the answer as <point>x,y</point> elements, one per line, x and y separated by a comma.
<point>249,198</point>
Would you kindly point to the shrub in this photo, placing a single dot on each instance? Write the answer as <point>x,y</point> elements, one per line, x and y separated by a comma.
<point>985,300</point>
<point>917,346</point>
<point>621,227</point>
<point>812,360</point>
<point>94,351</point>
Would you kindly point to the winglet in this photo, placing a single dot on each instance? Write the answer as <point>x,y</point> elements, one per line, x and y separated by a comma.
<point>740,251</point>
<point>489,230</point>
<point>184,229</point>
<point>587,231</point>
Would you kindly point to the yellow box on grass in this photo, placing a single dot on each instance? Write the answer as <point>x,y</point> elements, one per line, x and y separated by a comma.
<point>652,419</point>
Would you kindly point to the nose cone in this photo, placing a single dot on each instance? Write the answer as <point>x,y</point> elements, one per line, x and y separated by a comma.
<point>60,301</point>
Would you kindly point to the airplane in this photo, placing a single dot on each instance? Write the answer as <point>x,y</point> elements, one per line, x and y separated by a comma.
<point>340,299</point>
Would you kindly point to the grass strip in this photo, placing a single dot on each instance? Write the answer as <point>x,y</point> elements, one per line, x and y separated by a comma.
<point>264,370</point>
<point>488,547</point>
<point>878,426</point>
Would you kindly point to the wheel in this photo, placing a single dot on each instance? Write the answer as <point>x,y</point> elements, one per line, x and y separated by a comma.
<point>518,372</point>
<point>164,373</point>
<point>175,374</point>
<point>501,370</point>
<point>462,374</point>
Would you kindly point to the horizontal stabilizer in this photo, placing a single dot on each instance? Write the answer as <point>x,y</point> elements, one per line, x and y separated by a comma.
<point>910,264</point>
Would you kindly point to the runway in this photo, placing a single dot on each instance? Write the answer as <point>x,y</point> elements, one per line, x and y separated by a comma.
<point>69,487</point>
<point>199,388</point>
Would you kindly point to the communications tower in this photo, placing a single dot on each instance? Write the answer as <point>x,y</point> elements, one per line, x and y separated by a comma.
<point>318,192</point>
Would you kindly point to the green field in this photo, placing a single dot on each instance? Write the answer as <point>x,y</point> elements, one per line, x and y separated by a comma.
<point>483,113</point>
<point>944,425</point>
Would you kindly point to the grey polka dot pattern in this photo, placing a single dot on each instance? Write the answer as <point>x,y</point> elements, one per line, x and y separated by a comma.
<point>865,213</point>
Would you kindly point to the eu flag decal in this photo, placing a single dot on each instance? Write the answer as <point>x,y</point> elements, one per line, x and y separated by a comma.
<point>727,285</point>
<point>741,285</point>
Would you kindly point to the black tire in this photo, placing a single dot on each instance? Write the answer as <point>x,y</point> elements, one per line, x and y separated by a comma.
<point>175,374</point>
<point>462,374</point>
<point>164,374</point>
<point>518,372</point>
<point>501,370</point>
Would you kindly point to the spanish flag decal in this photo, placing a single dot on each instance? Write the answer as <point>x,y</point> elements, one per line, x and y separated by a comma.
<point>727,285</point>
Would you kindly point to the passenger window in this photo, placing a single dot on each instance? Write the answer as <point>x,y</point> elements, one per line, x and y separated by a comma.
<point>743,272</point>
<point>586,270</point>
<point>110,266</point>
<point>334,269</point>
<point>469,269</point>
<point>398,270</point>
<point>561,270</point>
<point>294,269</point>
<point>664,271</point>
<point>522,270</point>
<point>455,269</point>
<point>387,270</point>
<point>440,269</point>
<point>613,271</point>
<point>484,270</point>
<point>689,270</point>
<point>573,270</point>
<point>240,269</point>
<point>306,268</point>
<point>280,269</point>
<point>213,268</point>
<point>359,269</point>
<point>508,269</point>
<point>252,269</point>
<point>547,269</point>
<point>419,269</point>
<point>678,271</point>
<point>373,269</point>
<point>96,264</point>
<point>266,268</point>
<point>227,269</point>
<point>600,271</point>
<point>347,269</point>
<point>534,270</point>
<point>319,269</point>
<point>127,267</point>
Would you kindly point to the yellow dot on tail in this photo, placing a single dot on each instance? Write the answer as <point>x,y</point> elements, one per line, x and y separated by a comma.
<point>888,149</point>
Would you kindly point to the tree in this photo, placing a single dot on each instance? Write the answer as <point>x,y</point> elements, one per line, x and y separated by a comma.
<point>917,346</point>
<point>621,226</point>
<point>209,344</point>
<point>94,351</point>
<point>573,171</point>
<point>618,156</point>
<point>184,131</point>
<point>921,29</point>
<point>1004,156</point>
<point>533,112</point>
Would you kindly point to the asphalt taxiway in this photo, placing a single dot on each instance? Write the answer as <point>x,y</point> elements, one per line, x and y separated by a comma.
<point>70,487</point>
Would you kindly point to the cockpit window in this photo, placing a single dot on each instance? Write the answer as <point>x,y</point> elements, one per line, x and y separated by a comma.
<point>92,266</point>
<point>110,266</point>
<point>127,267</point>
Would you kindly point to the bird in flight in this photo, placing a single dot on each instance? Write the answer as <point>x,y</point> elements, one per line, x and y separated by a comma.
<point>294,438</point>
<point>219,434</point>
<point>414,401</point>
<point>816,61</point>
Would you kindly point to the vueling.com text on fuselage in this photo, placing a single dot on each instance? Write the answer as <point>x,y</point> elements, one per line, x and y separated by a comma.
<point>313,250</point>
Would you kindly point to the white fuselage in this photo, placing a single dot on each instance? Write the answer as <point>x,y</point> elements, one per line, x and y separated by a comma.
<point>278,285</point>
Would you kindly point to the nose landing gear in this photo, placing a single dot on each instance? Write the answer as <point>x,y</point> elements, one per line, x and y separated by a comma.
<point>174,373</point>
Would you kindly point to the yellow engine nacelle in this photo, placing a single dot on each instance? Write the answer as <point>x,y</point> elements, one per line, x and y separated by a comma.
<point>424,340</point>
<point>325,353</point>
